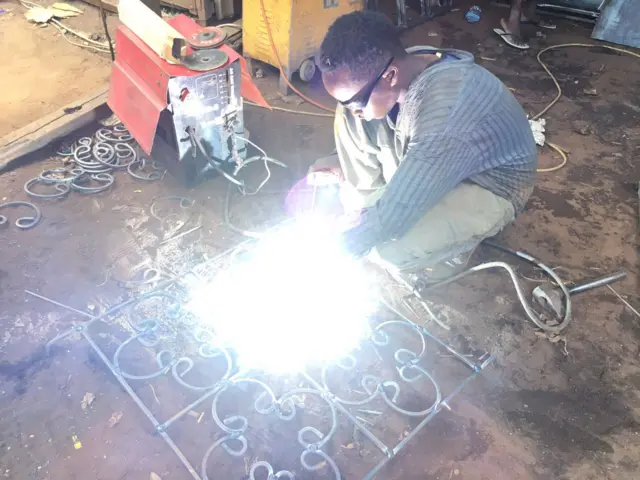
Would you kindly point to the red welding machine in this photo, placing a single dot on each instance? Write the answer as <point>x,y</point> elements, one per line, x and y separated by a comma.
<point>188,117</point>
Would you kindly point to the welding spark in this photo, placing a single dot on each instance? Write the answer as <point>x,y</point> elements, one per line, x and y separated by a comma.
<point>293,299</point>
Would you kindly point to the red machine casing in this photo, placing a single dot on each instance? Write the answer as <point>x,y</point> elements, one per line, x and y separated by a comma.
<point>138,90</point>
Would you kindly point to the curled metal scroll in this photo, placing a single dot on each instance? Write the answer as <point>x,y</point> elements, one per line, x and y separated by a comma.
<point>172,309</point>
<point>120,128</point>
<point>23,223</point>
<point>111,148</point>
<point>408,370</point>
<point>125,155</point>
<point>79,184</point>
<point>86,141</point>
<point>60,175</point>
<point>83,156</point>
<point>185,203</point>
<point>61,189</point>
<point>209,349</point>
<point>138,168</point>
<point>310,438</point>
<point>117,133</point>
<point>149,341</point>
<point>271,474</point>
<point>104,153</point>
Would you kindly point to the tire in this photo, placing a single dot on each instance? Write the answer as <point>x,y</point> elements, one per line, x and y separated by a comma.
<point>307,70</point>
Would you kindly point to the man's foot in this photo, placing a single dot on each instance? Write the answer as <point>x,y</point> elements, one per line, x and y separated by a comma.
<point>512,39</point>
<point>442,271</point>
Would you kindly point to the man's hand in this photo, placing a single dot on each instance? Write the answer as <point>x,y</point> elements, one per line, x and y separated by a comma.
<point>347,221</point>
<point>324,176</point>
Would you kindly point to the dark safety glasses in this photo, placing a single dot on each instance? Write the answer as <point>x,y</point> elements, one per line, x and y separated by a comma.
<point>359,100</point>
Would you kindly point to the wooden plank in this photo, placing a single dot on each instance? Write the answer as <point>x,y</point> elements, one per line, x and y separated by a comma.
<point>619,23</point>
<point>109,5</point>
<point>161,37</point>
<point>56,125</point>
<point>154,5</point>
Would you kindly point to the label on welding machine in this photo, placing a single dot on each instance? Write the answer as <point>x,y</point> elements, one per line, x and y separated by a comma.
<point>207,86</point>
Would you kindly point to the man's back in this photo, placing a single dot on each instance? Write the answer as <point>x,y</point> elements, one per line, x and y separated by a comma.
<point>461,103</point>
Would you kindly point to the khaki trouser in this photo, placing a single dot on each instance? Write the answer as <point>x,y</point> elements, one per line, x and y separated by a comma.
<point>456,224</point>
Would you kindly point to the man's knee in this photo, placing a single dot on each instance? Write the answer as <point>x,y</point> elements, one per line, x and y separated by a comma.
<point>456,225</point>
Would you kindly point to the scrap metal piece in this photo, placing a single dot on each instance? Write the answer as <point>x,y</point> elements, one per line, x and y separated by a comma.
<point>549,298</point>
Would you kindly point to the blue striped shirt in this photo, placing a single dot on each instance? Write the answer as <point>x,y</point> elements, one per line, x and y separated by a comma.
<point>458,123</point>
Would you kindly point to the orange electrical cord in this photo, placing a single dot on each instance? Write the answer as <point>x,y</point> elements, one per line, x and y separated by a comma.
<point>284,75</point>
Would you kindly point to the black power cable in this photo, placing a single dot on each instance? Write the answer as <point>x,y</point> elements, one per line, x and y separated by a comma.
<point>103,17</point>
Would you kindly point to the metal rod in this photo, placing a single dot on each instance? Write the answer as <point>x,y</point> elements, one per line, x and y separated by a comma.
<point>142,406</point>
<point>400,279</point>
<point>46,299</point>
<point>598,282</point>
<point>624,301</point>
<point>425,332</point>
<point>370,435</point>
<point>180,235</point>
<point>420,426</point>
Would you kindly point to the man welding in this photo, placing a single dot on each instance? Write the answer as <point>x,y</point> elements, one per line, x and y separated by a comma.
<point>433,151</point>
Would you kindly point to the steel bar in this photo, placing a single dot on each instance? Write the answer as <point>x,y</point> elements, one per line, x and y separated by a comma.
<point>141,405</point>
<point>455,353</point>
<point>381,446</point>
<point>46,299</point>
<point>598,282</point>
<point>420,426</point>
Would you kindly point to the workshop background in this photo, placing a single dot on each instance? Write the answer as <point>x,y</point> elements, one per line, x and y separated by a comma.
<point>563,409</point>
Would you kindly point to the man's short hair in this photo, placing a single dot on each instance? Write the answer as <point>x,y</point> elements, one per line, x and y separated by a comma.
<point>360,41</point>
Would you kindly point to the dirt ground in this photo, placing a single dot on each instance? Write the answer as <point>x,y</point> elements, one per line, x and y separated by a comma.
<point>41,69</point>
<point>545,410</point>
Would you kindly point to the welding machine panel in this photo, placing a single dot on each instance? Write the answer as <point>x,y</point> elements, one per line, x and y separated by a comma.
<point>210,106</point>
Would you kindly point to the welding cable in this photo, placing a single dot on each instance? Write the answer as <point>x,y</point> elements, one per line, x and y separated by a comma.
<point>230,38</point>
<point>63,31</point>
<point>103,17</point>
<point>531,313</point>
<point>559,91</point>
<point>550,272</point>
<point>266,160</point>
<point>227,200</point>
<point>282,73</point>
<point>211,161</point>
<point>555,81</point>
<point>56,23</point>
<point>558,166</point>
<point>232,25</point>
